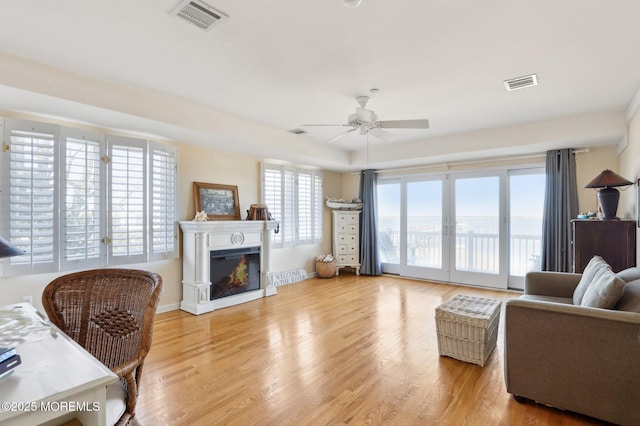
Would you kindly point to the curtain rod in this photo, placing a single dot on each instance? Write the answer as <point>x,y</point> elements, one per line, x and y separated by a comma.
<point>461,163</point>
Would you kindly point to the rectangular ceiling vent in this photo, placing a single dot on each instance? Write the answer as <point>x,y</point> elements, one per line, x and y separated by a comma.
<point>198,13</point>
<point>297,131</point>
<point>521,82</point>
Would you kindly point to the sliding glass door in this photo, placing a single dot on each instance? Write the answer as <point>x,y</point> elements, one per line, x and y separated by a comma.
<point>473,228</point>
<point>425,239</point>
<point>389,223</point>
<point>478,251</point>
<point>526,205</point>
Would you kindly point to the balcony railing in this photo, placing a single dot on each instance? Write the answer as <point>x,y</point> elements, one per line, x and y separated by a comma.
<point>477,252</point>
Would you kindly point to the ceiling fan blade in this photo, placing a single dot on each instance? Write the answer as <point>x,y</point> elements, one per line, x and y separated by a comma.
<point>331,125</point>
<point>403,124</point>
<point>342,134</point>
<point>383,135</point>
<point>365,115</point>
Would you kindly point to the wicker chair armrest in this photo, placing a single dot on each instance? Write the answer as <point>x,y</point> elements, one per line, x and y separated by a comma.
<point>128,367</point>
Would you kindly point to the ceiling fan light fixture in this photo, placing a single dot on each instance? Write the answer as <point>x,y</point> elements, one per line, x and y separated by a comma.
<point>352,3</point>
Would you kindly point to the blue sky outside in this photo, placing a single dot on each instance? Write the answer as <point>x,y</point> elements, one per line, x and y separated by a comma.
<point>474,197</point>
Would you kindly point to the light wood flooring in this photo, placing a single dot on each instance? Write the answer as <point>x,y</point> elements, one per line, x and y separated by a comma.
<point>347,350</point>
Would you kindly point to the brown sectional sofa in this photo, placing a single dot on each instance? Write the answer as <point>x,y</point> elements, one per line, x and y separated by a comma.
<point>572,357</point>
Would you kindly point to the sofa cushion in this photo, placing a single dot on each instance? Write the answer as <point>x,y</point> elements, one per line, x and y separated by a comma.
<point>630,300</point>
<point>595,264</point>
<point>629,274</point>
<point>604,291</point>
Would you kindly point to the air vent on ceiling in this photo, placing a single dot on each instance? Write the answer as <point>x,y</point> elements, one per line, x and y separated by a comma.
<point>198,13</point>
<point>521,82</point>
<point>297,131</point>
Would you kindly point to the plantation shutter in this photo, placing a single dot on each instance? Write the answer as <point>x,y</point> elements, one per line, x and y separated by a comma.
<point>163,206</point>
<point>305,222</point>
<point>127,224</point>
<point>272,197</point>
<point>294,196</point>
<point>30,196</point>
<point>317,205</point>
<point>289,213</point>
<point>81,212</point>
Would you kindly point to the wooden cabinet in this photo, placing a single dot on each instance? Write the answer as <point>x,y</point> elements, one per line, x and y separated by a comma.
<point>346,239</point>
<point>613,240</point>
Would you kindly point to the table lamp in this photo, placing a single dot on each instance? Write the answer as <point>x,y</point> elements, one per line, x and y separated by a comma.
<point>608,195</point>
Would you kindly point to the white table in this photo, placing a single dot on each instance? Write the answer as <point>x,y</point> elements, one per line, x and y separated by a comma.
<point>57,379</point>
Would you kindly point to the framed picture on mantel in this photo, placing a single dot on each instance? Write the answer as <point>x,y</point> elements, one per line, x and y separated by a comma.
<point>219,202</point>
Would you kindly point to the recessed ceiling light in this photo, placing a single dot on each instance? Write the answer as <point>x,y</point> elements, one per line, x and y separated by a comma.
<point>352,3</point>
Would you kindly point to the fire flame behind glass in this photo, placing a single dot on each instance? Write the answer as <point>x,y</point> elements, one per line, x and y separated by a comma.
<point>234,271</point>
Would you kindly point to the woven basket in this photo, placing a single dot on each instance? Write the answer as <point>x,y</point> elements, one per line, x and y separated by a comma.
<point>467,328</point>
<point>326,269</point>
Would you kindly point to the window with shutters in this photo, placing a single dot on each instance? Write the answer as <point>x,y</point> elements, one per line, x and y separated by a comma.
<point>127,200</point>
<point>76,199</point>
<point>31,188</point>
<point>163,202</point>
<point>81,198</point>
<point>294,196</point>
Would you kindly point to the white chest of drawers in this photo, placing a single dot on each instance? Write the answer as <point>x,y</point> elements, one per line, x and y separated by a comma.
<point>346,239</point>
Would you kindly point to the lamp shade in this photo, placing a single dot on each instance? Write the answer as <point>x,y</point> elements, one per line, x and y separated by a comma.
<point>608,179</point>
<point>8,250</point>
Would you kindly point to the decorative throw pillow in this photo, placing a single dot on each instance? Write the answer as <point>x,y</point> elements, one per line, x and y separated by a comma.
<point>629,274</point>
<point>595,264</point>
<point>630,300</point>
<point>604,291</point>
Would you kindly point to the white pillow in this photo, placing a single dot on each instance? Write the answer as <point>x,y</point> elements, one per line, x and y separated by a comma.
<point>604,291</point>
<point>595,264</point>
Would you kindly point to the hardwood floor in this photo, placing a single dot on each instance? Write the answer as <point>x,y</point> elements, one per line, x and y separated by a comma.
<point>347,350</point>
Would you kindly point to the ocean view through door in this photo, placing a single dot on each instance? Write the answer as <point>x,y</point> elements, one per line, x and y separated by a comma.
<point>425,240</point>
<point>477,210</point>
<point>473,228</point>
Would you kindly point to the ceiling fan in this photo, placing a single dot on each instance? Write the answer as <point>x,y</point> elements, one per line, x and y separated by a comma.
<point>366,121</point>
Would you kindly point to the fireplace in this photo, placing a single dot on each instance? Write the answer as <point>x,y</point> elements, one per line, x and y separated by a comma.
<point>234,271</point>
<point>212,253</point>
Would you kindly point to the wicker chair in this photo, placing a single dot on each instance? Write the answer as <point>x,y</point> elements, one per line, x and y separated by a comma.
<point>110,313</point>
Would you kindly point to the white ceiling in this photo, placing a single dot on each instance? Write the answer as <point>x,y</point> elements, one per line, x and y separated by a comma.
<point>277,64</point>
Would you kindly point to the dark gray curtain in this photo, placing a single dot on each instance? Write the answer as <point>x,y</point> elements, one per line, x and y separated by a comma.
<point>560,206</point>
<point>369,258</point>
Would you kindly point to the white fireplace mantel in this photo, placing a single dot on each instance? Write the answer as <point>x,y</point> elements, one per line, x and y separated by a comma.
<point>200,238</point>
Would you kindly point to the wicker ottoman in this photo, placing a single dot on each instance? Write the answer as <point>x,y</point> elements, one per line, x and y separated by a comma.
<point>467,328</point>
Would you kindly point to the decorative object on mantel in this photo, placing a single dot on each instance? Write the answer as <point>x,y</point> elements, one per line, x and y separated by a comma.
<point>219,202</point>
<point>608,196</point>
<point>200,217</point>
<point>261,212</point>
<point>326,266</point>
<point>340,204</point>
